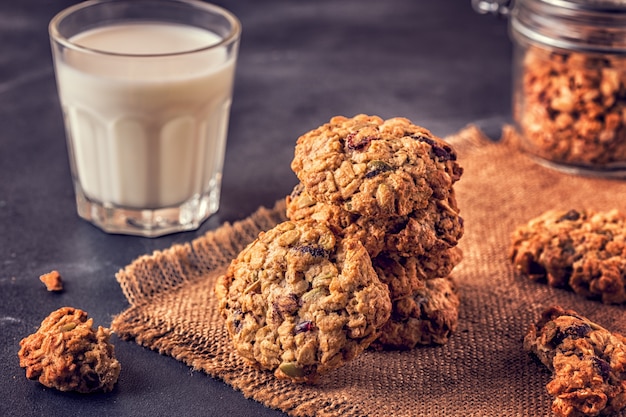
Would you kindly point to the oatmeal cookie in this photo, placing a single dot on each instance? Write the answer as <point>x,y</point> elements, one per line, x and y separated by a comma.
<point>588,363</point>
<point>579,249</point>
<point>375,168</point>
<point>66,353</point>
<point>404,275</point>
<point>299,301</point>
<point>436,227</point>
<point>428,316</point>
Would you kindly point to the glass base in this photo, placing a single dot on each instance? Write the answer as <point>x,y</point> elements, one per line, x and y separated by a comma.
<point>612,171</point>
<point>148,223</point>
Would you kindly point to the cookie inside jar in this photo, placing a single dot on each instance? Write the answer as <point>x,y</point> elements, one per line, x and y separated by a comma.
<point>569,86</point>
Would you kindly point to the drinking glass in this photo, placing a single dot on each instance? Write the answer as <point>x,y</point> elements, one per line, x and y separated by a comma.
<point>146,88</point>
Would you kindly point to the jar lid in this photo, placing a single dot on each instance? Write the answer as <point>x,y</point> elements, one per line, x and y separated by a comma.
<point>605,5</point>
<point>580,25</point>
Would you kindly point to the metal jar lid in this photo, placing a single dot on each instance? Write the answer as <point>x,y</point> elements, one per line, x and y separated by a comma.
<point>579,25</point>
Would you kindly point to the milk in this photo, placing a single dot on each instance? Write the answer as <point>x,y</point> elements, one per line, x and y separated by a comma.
<point>149,131</point>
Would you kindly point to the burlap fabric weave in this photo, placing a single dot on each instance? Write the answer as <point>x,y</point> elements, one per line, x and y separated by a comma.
<point>482,371</point>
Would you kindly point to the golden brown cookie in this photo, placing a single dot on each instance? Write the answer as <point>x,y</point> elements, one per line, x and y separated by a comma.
<point>375,167</point>
<point>583,250</point>
<point>588,363</point>
<point>301,302</point>
<point>435,228</point>
<point>68,354</point>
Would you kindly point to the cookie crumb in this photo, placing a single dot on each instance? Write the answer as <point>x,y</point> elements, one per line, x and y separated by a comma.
<point>53,281</point>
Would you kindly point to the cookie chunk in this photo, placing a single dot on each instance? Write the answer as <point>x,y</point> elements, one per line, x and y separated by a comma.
<point>436,227</point>
<point>68,354</point>
<point>375,168</point>
<point>299,301</point>
<point>428,316</point>
<point>579,249</point>
<point>588,363</point>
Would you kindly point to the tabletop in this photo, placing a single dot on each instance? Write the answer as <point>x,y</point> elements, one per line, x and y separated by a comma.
<point>437,63</point>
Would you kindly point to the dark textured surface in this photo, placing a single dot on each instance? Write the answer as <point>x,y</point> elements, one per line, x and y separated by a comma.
<point>301,62</point>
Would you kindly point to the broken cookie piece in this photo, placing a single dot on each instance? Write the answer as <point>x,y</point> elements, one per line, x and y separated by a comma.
<point>583,250</point>
<point>52,280</point>
<point>68,354</point>
<point>588,363</point>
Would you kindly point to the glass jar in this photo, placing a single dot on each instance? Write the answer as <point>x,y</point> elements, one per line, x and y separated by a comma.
<point>569,81</point>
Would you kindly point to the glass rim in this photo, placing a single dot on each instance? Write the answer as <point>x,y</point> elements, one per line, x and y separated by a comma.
<point>231,37</point>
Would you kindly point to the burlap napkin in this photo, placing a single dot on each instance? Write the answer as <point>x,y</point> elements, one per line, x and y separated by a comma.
<point>482,371</point>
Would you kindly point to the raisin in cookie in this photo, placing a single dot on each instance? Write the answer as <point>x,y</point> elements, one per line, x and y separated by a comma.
<point>428,316</point>
<point>588,363</point>
<point>373,167</point>
<point>301,302</point>
<point>583,250</point>
<point>66,353</point>
<point>436,227</point>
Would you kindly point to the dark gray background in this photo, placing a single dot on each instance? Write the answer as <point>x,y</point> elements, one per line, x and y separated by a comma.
<point>301,62</point>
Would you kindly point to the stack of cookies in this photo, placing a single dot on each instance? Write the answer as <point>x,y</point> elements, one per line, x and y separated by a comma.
<point>389,183</point>
<point>364,259</point>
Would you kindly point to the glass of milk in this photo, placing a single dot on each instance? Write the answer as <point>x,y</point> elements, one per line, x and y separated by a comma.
<point>146,88</point>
